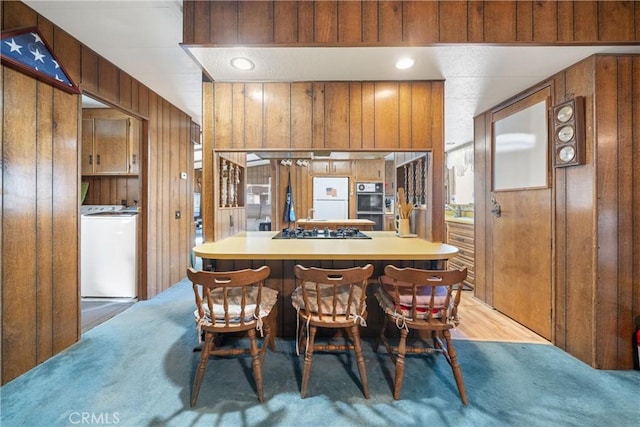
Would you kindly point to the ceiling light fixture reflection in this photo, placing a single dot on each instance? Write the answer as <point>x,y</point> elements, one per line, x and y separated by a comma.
<point>404,63</point>
<point>242,64</point>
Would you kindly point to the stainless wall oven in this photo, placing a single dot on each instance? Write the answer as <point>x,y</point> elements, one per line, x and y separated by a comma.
<point>370,202</point>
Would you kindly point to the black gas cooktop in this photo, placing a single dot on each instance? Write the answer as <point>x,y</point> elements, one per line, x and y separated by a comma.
<point>321,233</point>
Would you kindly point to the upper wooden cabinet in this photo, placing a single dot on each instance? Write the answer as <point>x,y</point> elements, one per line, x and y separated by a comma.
<point>110,143</point>
<point>372,170</point>
<point>331,167</point>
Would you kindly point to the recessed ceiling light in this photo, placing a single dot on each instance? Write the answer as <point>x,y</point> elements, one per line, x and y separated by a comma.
<point>404,63</point>
<point>242,64</point>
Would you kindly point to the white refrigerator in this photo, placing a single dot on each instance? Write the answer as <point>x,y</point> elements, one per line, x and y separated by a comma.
<point>330,197</point>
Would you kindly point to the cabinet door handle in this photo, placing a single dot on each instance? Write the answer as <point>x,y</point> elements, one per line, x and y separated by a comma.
<point>98,159</point>
<point>134,159</point>
<point>90,159</point>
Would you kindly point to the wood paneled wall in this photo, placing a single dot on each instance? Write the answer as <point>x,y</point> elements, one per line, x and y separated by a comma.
<point>339,116</point>
<point>106,190</point>
<point>596,234</point>
<point>408,23</point>
<point>371,116</point>
<point>40,224</point>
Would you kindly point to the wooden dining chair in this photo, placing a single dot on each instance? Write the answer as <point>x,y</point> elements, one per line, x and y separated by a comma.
<point>239,302</point>
<point>420,300</point>
<point>332,299</point>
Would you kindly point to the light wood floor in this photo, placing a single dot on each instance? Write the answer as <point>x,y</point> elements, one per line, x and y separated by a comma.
<point>480,322</point>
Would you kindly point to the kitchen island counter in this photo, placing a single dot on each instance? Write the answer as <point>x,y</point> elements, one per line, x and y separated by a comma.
<point>383,245</point>
<point>253,249</point>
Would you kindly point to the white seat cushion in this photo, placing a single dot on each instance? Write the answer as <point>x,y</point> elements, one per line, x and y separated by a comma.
<point>326,299</point>
<point>269,299</point>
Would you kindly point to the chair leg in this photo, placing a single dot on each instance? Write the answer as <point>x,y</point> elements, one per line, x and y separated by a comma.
<point>307,361</point>
<point>269,339</point>
<point>385,319</point>
<point>204,359</point>
<point>257,363</point>
<point>357,346</point>
<point>402,349</point>
<point>457,372</point>
<point>302,337</point>
<point>273,316</point>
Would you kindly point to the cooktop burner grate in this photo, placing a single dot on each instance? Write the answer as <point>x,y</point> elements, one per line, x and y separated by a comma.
<point>323,233</point>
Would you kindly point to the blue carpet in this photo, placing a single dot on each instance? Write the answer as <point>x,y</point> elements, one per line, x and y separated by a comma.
<point>136,370</point>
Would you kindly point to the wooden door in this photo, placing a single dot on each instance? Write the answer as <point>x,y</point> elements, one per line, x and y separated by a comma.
<point>522,240</point>
<point>522,258</point>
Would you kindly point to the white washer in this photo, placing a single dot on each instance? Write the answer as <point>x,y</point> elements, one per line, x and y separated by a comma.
<point>109,254</point>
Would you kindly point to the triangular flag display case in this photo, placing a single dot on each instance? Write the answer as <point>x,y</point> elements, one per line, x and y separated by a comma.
<point>27,51</point>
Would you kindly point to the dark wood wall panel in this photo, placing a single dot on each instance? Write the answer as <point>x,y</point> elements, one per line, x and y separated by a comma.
<point>481,188</point>
<point>421,24</point>
<point>616,20</point>
<point>19,240</point>
<point>574,320</point>
<point>325,22</point>
<point>615,121</point>
<point>109,190</point>
<point>108,82</point>
<point>301,115</point>
<point>409,22</point>
<point>349,28</point>
<point>277,120</point>
<point>69,52</point>
<point>499,21</point>
<point>336,115</point>
<point>608,198</point>
<point>625,187</point>
<point>154,215</point>
<point>44,334</point>
<point>635,185</point>
<point>254,21</point>
<point>89,71</point>
<point>66,113</point>
<point>41,197</point>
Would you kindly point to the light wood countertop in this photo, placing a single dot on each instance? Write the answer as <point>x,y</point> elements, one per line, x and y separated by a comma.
<point>383,245</point>
<point>459,219</point>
